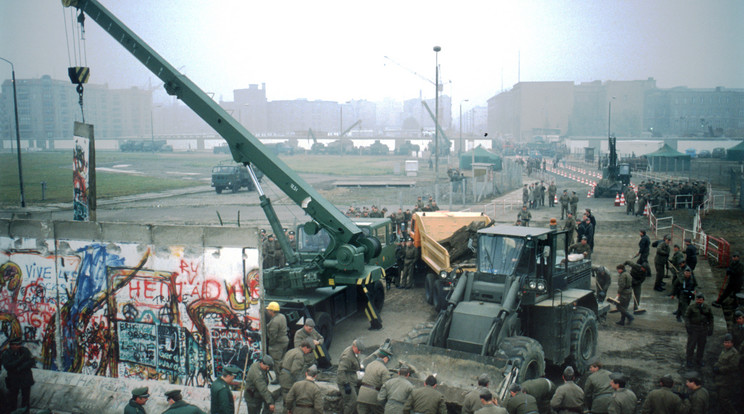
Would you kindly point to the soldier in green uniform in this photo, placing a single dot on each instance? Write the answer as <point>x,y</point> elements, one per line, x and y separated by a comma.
<point>551,194</point>
<point>346,375</point>
<point>426,400</point>
<point>699,325</point>
<point>574,202</point>
<point>293,366</point>
<point>305,397</point>
<point>733,282</point>
<point>395,391</point>
<point>524,216</point>
<point>375,374</point>
<point>569,397</point>
<point>638,274</point>
<point>18,361</point>
<point>489,404</point>
<point>520,402</point>
<point>179,406</point>
<point>564,200</point>
<point>411,255</point>
<point>581,247</point>
<point>728,377</point>
<point>222,400</point>
<point>543,390</point>
<point>308,332</point>
<point>267,251</point>
<point>630,199</point>
<point>737,332</point>
<point>472,402</point>
<point>258,399</point>
<point>570,226</point>
<point>623,400</point>
<point>662,400</point>
<point>624,294</point>
<point>676,261</point>
<point>137,403</point>
<point>698,401</point>
<point>660,261</point>
<point>276,332</point>
<point>597,389</point>
<point>684,289</point>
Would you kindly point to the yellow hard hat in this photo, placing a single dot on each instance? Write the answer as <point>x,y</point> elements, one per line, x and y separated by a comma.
<point>273,306</point>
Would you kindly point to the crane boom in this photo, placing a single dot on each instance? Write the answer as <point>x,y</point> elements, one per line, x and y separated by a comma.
<point>446,141</point>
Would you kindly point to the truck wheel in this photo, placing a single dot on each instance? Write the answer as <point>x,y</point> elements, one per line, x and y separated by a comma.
<point>438,299</point>
<point>324,326</point>
<point>429,288</point>
<point>583,338</point>
<point>218,190</point>
<point>528,353</point>
<point>235,187</point>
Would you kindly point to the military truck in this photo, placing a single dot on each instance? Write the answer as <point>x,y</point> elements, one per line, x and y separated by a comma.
<point>441,260</point>
<point>526,303</point>
<point>232,177</point>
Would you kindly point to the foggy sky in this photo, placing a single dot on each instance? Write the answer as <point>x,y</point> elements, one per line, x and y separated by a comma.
<point>333,50</point>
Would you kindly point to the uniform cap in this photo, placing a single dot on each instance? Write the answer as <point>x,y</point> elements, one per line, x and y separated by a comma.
<point>738,314</point>
<point>268,360</point>
<point>584,238</point>
<point>728,338</point>
<point>515,388</point>
<point>688,241</point>
<point>230,370</point>
<point>568,372</point>
<point>312,370</point>
<point>273,306</point>
<point>142,392</point>
<point>484,379</point>
<point>173,394</point>
<point>310,322</point>
<point>263,231</point>
<point>359,344</point>
<point>699,295</point>
<point>687,269</point>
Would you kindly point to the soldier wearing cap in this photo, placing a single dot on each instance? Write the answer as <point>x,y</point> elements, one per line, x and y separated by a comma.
<point>305,397</point>
<point>569,397</point>
<point>426,400</point>
<point>277,339</point>
<point>222,400</point>
<point>737,332</point>
<point>662,400</point>
<point>18,361</point>
<point>375,374</point>
<point>267,251</point>
<point>308,332</point>
<point>728,376</point>
<point>395,392</point>
<point>472,402</point>
<point>520,402</point>
<point>581,247</point>
<point>623,400</point>
<point>597,389</point>
<point>409,261</point>
<point>690,254</point>
<point>733,282</point>
<point>684,289</point>
<point>258,398</point>
<point>178,405</point>
<point>346,375</point>
<point>489,404</point>
<point>660,261</point>
<point>698,401</point>
<point>138,401</point>
<point>699,325</point>
<point>293,366</point>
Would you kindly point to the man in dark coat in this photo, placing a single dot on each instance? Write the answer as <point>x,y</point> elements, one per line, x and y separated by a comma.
<point>732,285</point>
<point>690,254</point>
<point>137,403</point>
<point>699,324</point>
<point>179,406</point>
<point>643,247</point>
<point>222,401</point>
<point>18,361</point>
<point>662,399</point>
<point>660,261</point>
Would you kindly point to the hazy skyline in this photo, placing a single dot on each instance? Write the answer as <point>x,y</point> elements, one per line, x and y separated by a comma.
<point>334,50</point>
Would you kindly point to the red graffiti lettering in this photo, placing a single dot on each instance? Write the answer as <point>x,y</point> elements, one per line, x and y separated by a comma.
<point>212,290</point>
<point>190,270</point>
<point>149,289</point>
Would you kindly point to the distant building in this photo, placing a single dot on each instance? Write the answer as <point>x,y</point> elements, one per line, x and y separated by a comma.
<point>695,112</point>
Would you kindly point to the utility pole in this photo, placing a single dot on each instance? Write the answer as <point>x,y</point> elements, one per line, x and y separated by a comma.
<point>436,124</point>
<point>18,132</point>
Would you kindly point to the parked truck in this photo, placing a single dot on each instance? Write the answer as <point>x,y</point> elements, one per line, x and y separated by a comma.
<point>430,230</point>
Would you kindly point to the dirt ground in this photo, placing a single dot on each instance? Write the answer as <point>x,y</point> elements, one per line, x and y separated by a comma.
<point>652,346</point>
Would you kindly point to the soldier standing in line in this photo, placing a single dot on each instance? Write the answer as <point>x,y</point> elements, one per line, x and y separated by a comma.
<point>699,325</point>
<point>597,389</point>
<point>643,247</point>
<point>293,366</point>
<point>178,405</point>
<point>18,361</point>
<point>690,254</point>
<point>375,374</point>
<point>524,216</point>
<point>520,402</point>
<point>698,402</point>
<point>409,262</point>
<point>676,261</point>
<point>624,294</point>
<point>574,202</point>
<point>564,200</point>
<point>489,404</point>
<point>542,389</point>
<point>419,204</point>
<point>305,397</point>
<point>426,400</point>
<point>525,195</point>
<point>137,403</point>
<point>684,290</point>
<point>222,401</point>
<point>570,226</point>
<point>630,199</point>
<point>638,274</point>
<point>267,252</point>
<point>346,375</point>
<point>569,397</point>
<point>258,398</point>
<point>395,392</point>
<point>400,258</point>
<point>728,376</point>
<point>551,194</point>
<point>662,400</point>
<point>623,400</point>
<point>733,282</point>
<point>660,261</point>
<point>277,339</point>
<point>279,259</point>
<point>471,403</point>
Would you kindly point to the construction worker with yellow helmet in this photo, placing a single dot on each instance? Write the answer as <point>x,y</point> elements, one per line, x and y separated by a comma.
<point>277,339</point>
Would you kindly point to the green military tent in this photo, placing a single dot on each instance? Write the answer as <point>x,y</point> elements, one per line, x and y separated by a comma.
<point>736,153</point>
<point>479,155</point>
<point>667,159</point>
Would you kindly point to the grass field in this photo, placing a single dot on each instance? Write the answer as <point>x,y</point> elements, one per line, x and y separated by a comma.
<point>152,172</point>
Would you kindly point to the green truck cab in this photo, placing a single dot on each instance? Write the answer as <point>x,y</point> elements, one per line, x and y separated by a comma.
<point>232,177</point>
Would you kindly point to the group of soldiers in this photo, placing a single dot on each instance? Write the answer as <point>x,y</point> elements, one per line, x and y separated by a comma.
<point>272,254</point>
<point>662,196</point>
<point>533,195</point>
<point>372,212</point>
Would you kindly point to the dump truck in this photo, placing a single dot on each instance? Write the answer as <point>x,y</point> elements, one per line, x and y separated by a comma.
<point>442,261</point>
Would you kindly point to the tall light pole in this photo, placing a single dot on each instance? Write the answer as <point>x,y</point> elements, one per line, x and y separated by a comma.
<point>609,117</point>
<point>436,124</point>
<point>459,152</point>
<point>18,131</point>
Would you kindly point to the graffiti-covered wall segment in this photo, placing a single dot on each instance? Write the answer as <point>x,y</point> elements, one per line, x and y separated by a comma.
<point>130,309</point>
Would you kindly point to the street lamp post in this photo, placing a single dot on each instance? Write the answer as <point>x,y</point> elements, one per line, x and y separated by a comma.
<point>436,124</point>
<point>18,131</point>
<point>609,117</point>
<point>459,152</point>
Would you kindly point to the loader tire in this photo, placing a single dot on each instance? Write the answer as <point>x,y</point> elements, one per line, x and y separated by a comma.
<point>583,338</point>
<point>419,334</point>
<point>529,352</point>
<point>429,288</point>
